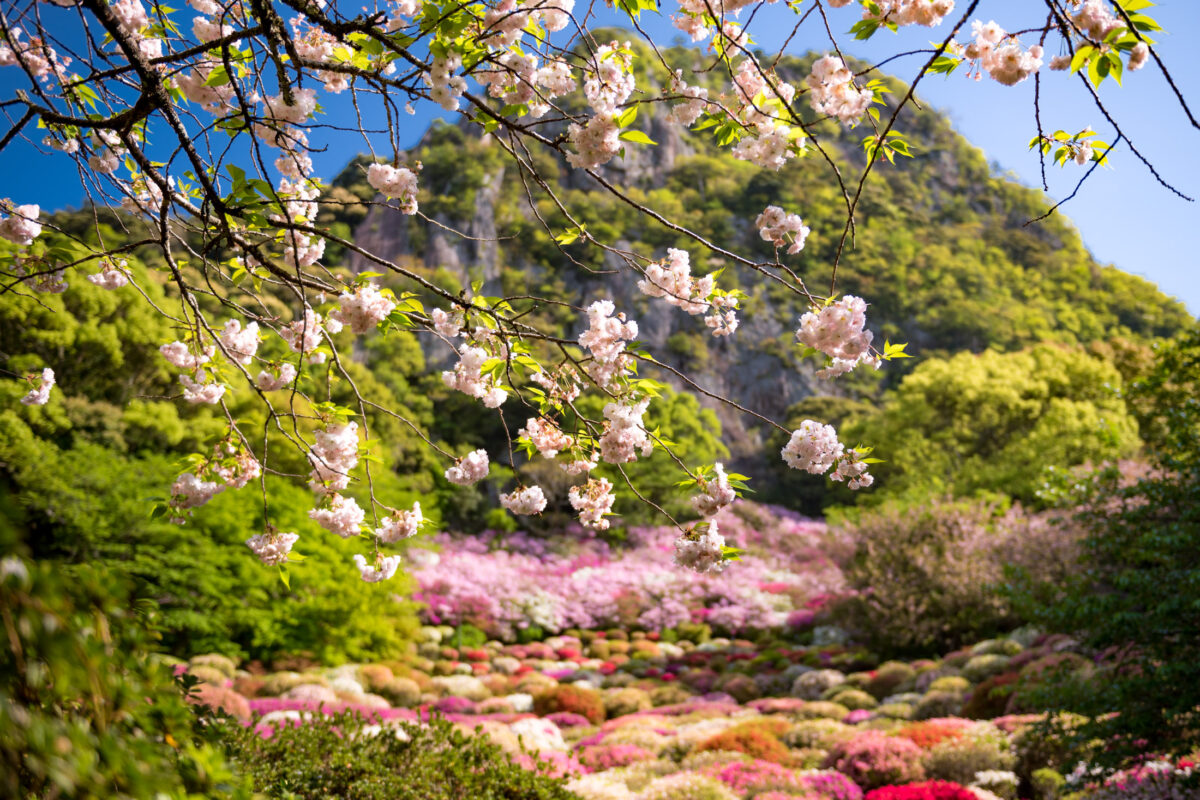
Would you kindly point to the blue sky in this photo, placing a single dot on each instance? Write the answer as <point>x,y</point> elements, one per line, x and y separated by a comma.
<point>1124,216</point>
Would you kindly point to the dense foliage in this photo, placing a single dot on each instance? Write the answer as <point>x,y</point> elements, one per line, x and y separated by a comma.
<point>1136,599</point>
<point>347,756</point>
<point>86,710</point>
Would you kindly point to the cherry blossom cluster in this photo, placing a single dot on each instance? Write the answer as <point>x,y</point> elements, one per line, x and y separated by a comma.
<point>839,331</point>
<point>275,378</point>
<point>781,228</point>
<point>445,87</point>
<point>814,448</point>
<point>524,500</point>
<point>467,377</point>
<point>929,13</point>
<point>715,492</point>
<point>40,394</point>
<point>593,500</point>
<point>401,525</point>
<point>113,274</point>
<point>21,226</point>
<point>672,280</point>
<point>546,436</point>
<point>383,568</point>
<point>398,183</point>
<point>446,324</point>
<point>763,100</point>
<point>624,432</point>
<point>340,515</point>
<point>38,57</point>
<point>333,455</point>
<point>470,469</point>
<point>272,549</point>
<point>701,549</point>
<point>1001,55</point>
<point>609,83</point>
<point>694,103</point>
<point>605,339</point>
<point>722,317</point>
<point>304,335</point>
<point>364,308</point>
<point>832,90</point>
<point>231,467</point>
<point>240,343</point>
<point>562,385</point>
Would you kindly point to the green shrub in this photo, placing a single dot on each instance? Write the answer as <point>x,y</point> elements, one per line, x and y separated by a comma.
<point>619,702</point>
<point>959,759</point>
<point>402,692</point>
<point>1047,784</point>
<point>932,571</point>
<point>822,709</point>
<point>950,683</point>
<point>84,710</point>
<point>341,756</point>
<point>889,678</point>
<point>216,661</point>
<point>854,699</point>
<point>573,698</point>
<point>821,734</point>
<point>938,704</point>
<point>980,668</point>
<point>687,786</point>
<point>208,675</point>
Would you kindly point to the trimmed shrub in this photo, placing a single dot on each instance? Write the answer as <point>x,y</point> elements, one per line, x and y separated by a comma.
<point>822,734</point>
<point>991,697</point>
<point>855,699</point>
<point>210,675</point>
<point>873,759</point>
<point>220,698</point>
<point>812,685</point>
<point>601,757</point>
<point>402,692</point>
<point>375,676</point>
<point>950,683</point>
<point>931,733</point>
<point>927,790</point>
<point>938,704</point>
<point>754,742</point>
<point>822,709</point>
<point>889,678</point>
<point>980,668</point>
<point>571,697</point>
<point>687,786</point>
<point>344,756</point>
<point>216,661</point>
<point>959,759</point>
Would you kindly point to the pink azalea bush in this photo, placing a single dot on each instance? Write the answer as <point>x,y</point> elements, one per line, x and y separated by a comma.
<point>504,585</point>
<point>874,759</point>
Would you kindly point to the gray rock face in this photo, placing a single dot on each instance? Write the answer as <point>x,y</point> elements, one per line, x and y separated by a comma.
<point>736,367</point>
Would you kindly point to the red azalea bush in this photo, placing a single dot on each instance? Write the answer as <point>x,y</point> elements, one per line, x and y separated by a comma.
<point>872,759</point>
<point>927,790</point>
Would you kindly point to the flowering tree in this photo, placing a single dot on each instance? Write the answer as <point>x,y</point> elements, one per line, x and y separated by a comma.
<point>200,124</point>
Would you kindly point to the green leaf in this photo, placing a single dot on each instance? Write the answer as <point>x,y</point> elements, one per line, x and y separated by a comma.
<point>637,137</point>
<point>626,117</point>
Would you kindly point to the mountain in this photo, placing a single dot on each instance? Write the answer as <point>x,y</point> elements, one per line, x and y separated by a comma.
<point>941,251</point>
